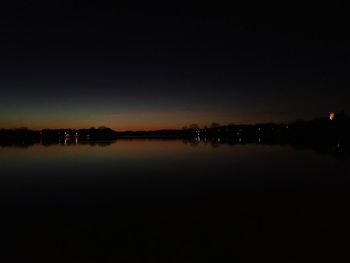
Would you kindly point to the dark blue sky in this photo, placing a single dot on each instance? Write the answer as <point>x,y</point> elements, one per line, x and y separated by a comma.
<point>146,66</point>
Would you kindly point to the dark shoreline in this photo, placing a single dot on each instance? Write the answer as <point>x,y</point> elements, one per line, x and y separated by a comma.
<point>323,135</point>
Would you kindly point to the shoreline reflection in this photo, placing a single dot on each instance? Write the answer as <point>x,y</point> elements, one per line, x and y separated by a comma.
<point>337,150</point>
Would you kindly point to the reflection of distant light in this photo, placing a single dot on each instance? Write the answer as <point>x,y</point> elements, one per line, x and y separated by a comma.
<point>65,141</point>
<point>287,127</point>
<point>76,140</point>
<point>259,140</point>
<point>338,145</point>
<point>240,139</point>
<point>218,139</point>
<point>331,116</point>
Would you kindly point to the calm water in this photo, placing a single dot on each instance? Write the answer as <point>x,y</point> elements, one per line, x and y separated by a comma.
<point>171,201</point>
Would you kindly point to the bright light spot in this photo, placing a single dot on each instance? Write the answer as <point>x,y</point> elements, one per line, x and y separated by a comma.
<point>331,116</point>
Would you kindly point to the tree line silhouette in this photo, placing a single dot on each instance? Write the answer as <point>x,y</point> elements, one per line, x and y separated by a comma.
<point>324,134</point>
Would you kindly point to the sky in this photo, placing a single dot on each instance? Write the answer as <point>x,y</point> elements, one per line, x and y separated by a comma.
<point>133,66</point>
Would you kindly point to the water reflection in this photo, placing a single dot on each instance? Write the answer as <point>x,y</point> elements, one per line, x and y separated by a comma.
<point>337,149</point>
<point>186,198</point>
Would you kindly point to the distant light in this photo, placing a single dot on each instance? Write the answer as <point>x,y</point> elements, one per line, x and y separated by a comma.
<point>259,140</point>
<point>287,127</point>
<point>331,116</point>
<point>218,139</point>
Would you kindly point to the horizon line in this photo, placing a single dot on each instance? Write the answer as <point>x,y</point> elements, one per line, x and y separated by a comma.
<point>168,129</point>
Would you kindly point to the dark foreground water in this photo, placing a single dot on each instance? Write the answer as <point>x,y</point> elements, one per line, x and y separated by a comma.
<point>172,201</point>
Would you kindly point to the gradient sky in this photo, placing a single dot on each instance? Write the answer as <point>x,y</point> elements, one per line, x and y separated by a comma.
<point>149,66</point>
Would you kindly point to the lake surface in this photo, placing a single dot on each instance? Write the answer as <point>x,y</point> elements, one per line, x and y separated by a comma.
<point>148,200</point>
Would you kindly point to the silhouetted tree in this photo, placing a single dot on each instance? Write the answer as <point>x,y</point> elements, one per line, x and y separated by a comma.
<point>194,126</point>
<point>341,116</point>
<point>215,125</point>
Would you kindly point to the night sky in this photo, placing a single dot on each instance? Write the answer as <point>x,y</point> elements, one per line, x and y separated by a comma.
<point>149,66</point>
